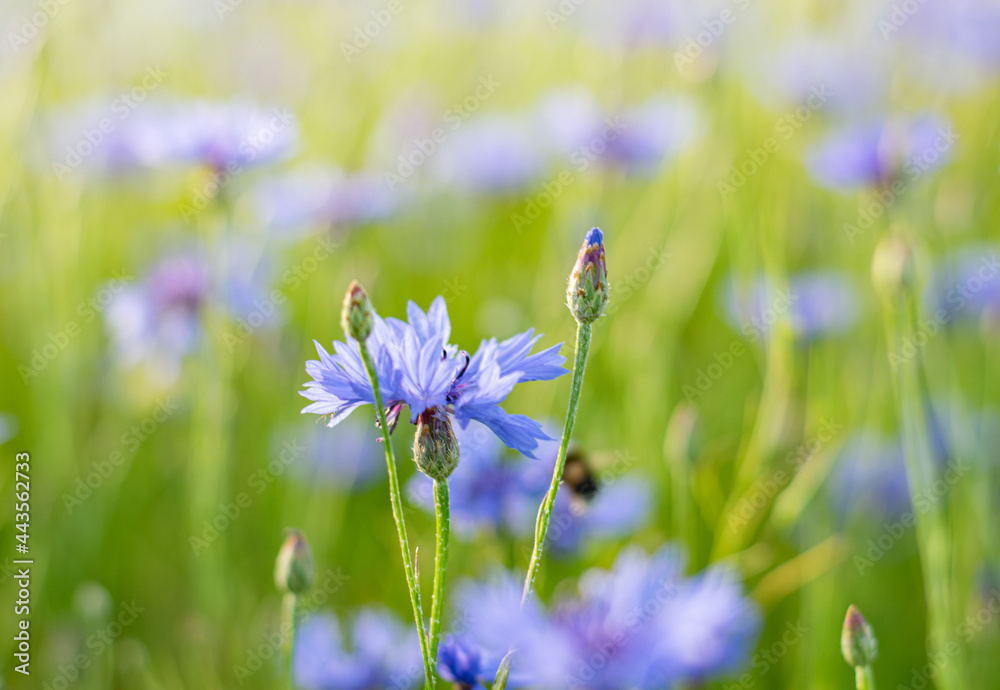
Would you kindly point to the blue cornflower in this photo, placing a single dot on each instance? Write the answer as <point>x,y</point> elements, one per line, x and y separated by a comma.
<point>639,625</point>
<point>813,304</point>
<point>464,663</point>
<point>870,475</point>
<point>965,286</point>
<point>384,652</point>
<point>419,369</point>
<point>315,195</point>
<point>879,153</point>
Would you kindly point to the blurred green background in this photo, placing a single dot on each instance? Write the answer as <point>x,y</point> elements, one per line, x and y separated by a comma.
<point>191,443</point>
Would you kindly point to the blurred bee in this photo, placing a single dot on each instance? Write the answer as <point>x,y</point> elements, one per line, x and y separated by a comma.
<point>578,475</point>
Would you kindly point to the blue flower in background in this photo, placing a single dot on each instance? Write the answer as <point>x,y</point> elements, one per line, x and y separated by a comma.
<point>870,477</point>
<point>814,304</point>
<point>653,134</point>
<point>879,153</point>
<point>965,286</point>
<point>491,154</point>
<point>490,493</point>
<point>321,196</point>
<point>462,662</point>
<point>383,652</point>
<point>417,368</point>
<point>345,458</point>
<point>641,624</point>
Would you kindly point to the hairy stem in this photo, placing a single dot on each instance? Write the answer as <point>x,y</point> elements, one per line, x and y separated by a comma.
<point>583,332</point>
<point>397,514</point>
<point>440,560</point>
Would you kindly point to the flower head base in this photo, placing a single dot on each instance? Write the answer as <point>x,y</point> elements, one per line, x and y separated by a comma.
<point>857,641</point>
<point>588,292</point>
<point>294,569</point>
<point>435,448</point>
<point>357,317</point>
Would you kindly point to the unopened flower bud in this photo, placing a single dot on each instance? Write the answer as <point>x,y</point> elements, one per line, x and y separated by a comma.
<point>294,568</point>
<point>357,316</point>
<point>435,448</point>
<point>893,268</point>
<point>588,292</point>
<point>857,641</point>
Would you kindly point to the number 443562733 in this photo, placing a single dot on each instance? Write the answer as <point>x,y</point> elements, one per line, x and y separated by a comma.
<point>22,494</point>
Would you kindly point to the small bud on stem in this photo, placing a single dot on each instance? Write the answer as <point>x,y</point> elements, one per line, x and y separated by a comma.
<point>357,316</point>
<point>294,568</point>
<point>435,448</point>
<point>588,292</point>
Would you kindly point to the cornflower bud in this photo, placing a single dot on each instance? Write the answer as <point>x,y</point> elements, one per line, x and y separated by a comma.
<point>357,316</point>
<point>294,569</point>
<point>435,448</point>
<point>588,292</point>
<point>857,641</point>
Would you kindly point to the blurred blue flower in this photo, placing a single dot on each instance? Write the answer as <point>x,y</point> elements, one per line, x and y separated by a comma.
<point>965,286</point>
<point>417,368</point>
<point>879,153</point>
<point>958,432</point>
<point>639,139</point>
<point>870,477</point>
<point>321,196</point>
<point>490,154</point>
<point>814,304</point>
<point>639,625</point>
<point>219,135</point>
<point>345,458</point>
<point>464,663</point>
<point>654,134</point>
<point>157,322</point>
<point>495,494</point>
<point>383,652</point>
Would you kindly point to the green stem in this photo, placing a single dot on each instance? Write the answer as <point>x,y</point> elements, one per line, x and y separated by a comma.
<point>931,528</point>
<point>441,502</point>
<point>397,514</point>
<point>583,332</point>
<point>290,620</point>
<point>864,677</point>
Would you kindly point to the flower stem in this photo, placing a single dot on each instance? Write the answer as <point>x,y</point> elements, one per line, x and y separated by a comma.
<point>440,560</point>
<point>864,677</point>
<point>583,332</point>
<point>290,620</point>
<point>397,514</point>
